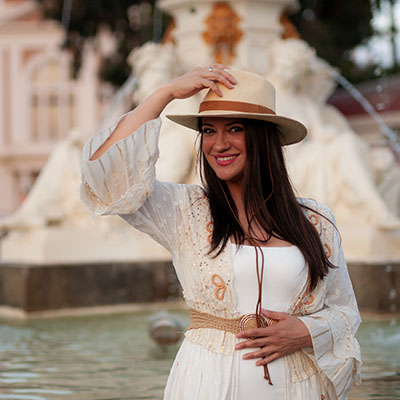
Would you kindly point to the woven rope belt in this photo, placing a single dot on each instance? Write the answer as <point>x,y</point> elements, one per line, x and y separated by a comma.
<point>235,325</point>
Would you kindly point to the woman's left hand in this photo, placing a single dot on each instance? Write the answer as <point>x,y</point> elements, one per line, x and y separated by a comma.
<point>287,335</point>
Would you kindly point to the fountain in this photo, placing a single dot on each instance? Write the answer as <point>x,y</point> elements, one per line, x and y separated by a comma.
<point>133,367</point>
<point>85,262</point>
<point>332,165</point>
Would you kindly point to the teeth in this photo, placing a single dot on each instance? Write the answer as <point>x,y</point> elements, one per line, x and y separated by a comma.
<point>225,158</point>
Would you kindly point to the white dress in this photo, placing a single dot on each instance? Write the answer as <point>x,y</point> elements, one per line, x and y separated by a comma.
<point>122,182</point>
<point>284,271</point>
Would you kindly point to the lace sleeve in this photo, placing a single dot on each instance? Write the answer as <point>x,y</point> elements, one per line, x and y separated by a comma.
<point>336,351</point>
<point>122,178</point>
<point>122,182</point>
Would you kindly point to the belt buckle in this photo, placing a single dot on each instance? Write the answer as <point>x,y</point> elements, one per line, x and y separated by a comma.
<point>249,321</point>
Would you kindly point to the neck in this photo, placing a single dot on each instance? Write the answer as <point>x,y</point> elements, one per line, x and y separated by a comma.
<point>236,192</point>
<point>256,231</point>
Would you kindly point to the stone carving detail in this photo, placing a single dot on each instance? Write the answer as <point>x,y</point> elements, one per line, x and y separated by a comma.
<point>168,37</point>
<point>223,32</point>
<point>289,30</point>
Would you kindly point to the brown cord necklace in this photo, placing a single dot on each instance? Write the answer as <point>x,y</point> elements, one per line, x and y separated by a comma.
<point>260,319</point>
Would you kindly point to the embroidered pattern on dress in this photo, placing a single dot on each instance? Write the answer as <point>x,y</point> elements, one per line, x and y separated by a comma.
<point>328,251</point>
<point>220,286</point>
<point>95,199</point>
<point>314,219</point>
<point>301,367</point>
<point>304,300</point>
<point>209,229</point>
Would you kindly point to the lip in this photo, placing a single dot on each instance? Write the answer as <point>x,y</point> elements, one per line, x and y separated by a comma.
<point>225,159</point>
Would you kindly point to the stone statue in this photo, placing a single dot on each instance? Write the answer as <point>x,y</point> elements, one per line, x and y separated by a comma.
<point>52,224</point>
<point>52,200</point>
<point>333,164</point>
<point>153,65</point>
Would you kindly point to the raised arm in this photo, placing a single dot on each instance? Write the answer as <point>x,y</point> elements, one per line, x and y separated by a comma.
<point>180,88</point>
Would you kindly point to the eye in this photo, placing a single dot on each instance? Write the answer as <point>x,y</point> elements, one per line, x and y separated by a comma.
<point>207,131</point>
<point>236,129</point>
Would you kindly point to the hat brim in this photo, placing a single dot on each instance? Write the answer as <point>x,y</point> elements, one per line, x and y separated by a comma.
<point>291,130</point>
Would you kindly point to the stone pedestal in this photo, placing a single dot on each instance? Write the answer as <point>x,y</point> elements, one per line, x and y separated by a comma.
<point>28,289</point>
<point>362,242</point>
<point>377,286</point>
<point>31,290</point>
<point>257,20</point>
<point>51,245</point>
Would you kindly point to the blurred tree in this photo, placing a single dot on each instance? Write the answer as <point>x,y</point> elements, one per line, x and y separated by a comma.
<point>392,30</point>
<point>129,21</point>
<point>334,28</point>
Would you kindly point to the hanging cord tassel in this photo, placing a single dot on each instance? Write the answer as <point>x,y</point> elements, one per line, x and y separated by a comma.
<point>260,274</point>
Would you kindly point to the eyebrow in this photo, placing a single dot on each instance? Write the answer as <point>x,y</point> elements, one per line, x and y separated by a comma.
<point>229,124</point>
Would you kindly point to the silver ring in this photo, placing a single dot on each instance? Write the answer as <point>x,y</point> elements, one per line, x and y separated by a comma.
<point>210,68</point>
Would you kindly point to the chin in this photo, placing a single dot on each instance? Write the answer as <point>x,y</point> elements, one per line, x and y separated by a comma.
<point>234,179</point>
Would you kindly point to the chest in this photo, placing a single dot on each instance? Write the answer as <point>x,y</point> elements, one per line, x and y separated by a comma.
<point>284,272</point>
<point>207,279</point>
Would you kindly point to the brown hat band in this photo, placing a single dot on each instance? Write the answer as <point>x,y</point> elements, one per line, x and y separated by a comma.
<point>234,106</point>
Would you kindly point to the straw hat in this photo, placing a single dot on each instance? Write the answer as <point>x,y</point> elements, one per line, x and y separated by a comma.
<point>252,97</point>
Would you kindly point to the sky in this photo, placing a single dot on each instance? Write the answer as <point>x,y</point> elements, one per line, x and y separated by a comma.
<point>378,49</point>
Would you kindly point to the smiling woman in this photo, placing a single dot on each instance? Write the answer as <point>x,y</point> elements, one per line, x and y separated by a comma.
<point>298,323</point>
<point>223,144</point>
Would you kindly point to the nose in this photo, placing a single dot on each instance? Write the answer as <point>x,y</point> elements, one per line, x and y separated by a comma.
<point>221,142</point>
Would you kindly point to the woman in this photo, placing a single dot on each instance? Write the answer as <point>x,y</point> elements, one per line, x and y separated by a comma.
<point>262,272</point>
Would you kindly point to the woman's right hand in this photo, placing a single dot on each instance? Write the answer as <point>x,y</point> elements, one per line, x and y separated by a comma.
<point>200,78</point>
<point>179,88</point>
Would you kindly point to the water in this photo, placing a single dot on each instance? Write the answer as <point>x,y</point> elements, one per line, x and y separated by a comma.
<point>389,133</point>
<point>112,358</point>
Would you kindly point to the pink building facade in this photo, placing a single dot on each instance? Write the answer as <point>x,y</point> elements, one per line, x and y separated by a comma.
<point>39,100</point>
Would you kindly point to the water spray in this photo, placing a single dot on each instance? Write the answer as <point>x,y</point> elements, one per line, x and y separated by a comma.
<point>388,132</point>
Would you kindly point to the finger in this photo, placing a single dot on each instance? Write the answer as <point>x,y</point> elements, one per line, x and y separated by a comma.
<point>259,353</point>
<point>273,314</point>
<point>225,76</point>
<point>248,344</point>
<point>219,77</point>
<point>211,84</point>
<point>256,332</point>
<point>268,359</point>
<point>219,65</point>
<point>222,70</point>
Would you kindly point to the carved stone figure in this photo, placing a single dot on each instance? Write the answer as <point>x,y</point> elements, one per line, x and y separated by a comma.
<point>333,164</point>
<point>223,32</point>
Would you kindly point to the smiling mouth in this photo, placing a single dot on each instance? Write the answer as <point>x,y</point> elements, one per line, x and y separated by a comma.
<point>225,160</point>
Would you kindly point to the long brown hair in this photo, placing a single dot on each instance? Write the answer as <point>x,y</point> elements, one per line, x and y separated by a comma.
<point>270,202</point>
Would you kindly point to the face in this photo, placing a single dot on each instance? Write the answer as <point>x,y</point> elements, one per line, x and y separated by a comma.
<point>224,147</point>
